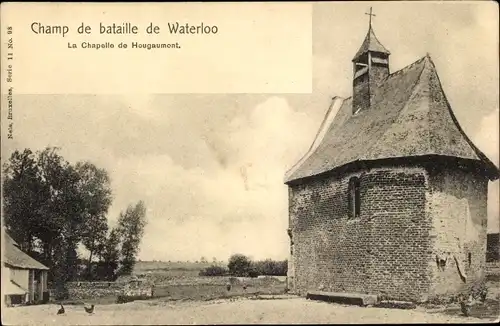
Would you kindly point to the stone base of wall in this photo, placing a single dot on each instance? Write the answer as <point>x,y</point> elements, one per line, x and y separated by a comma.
<point>358,299</point>
<point>96,290</point>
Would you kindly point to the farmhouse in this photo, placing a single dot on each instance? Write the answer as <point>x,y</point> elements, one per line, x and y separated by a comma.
<point>391,197</point>
<point>24,280</point>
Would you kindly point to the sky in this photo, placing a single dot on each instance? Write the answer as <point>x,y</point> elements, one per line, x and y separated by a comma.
<point>210,167</point>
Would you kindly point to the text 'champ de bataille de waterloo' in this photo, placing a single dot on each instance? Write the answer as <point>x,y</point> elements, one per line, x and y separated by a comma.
<point>125,28</point>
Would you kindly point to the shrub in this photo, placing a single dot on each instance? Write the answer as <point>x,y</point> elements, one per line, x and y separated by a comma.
<point>214,271</point>
<point>239,265</point>
<point>479,290</point>
<point>271,267</point>
<point>253,272</point>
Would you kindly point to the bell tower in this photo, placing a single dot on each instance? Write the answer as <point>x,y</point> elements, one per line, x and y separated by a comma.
<point>370,67</point>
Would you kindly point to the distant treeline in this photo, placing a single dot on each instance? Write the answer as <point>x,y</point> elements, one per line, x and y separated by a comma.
<point>243,266</point>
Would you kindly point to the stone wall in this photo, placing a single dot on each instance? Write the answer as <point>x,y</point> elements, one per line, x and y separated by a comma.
<point>384,251</point>
<point>138,288</point>
<point>457,203</point>
<point>94,290</point>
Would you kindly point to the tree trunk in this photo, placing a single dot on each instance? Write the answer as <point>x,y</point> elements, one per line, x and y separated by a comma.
<point>89,266</point>
<point>26,246</point>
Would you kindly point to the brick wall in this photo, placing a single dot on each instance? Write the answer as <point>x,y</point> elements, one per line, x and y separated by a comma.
<point>385,251</point>
<point>457,204</point>
<point>421,233</point>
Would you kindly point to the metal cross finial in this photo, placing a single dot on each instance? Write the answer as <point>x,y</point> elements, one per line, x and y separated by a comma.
<point>370,14</point>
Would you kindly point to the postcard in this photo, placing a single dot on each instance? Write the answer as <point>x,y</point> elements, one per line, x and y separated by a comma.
<point>250,163</point>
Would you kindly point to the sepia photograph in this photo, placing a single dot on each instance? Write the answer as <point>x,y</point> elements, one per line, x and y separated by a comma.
<point>363,190</point>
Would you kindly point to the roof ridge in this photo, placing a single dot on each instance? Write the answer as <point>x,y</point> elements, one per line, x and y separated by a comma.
<point>397,72</point>
<point>404,69</point>
<point>428,140</point>
<point>401,71</point>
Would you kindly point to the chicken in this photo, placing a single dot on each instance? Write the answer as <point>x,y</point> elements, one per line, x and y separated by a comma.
<point>466,305</point>
<point>61,310</point>
<point>89,310</point>
<point>483,294</point>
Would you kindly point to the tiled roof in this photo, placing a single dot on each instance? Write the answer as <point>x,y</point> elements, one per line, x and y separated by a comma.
<point>371,43</point>
<point>14,257</point>
<point>409,116</point>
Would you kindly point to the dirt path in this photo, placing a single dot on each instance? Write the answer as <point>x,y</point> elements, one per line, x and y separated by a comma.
<point>291,310</point>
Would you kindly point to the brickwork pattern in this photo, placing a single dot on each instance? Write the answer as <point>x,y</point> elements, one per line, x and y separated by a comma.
<point>421,233</point>
<point>384,251</point>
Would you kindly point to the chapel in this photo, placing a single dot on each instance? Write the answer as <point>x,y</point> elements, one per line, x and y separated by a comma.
<point>391,198</point>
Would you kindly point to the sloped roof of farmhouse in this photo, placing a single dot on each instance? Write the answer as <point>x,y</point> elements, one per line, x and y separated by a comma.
<point>15,257</point>
<point>371,43</point>
<point>409,116</point>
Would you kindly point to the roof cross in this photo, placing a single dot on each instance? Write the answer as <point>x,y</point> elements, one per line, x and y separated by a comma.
<point>370,14</point>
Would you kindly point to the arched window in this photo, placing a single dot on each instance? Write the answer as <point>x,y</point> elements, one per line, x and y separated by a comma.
<point>354,200</point>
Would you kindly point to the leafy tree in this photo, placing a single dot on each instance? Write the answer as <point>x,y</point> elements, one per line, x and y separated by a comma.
<point>239,265</point>
<point>42,202</point>
<point>95,187</point>
<point>24,196</point>
<point>51,206</point>
<point>131,226</point>
<point>109,255</point>
<point>65,212</point>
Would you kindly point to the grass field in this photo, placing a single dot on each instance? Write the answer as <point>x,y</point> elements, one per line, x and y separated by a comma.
<point>171,270</point>
<point>162,266</point>
<point>180,281</point>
